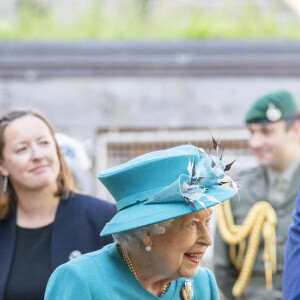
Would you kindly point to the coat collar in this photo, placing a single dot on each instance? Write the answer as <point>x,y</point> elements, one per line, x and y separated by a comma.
<point>257,186</point>
<point>63,230</point>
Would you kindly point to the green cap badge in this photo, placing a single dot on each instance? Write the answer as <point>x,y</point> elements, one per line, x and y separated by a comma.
<point>272,107</point>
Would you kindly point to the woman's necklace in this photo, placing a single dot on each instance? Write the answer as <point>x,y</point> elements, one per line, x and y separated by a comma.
<point>128,262</point>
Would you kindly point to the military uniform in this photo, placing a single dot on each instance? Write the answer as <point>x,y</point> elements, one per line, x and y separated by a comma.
<point>254,188</point>
<point>262,184</point>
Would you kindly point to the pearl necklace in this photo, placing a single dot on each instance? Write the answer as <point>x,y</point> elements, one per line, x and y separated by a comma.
<point>128,262</point>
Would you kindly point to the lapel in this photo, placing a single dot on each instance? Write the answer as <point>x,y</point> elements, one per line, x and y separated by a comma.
<point>257,185</point>
<point>7,246</point>
<point>64,235</point>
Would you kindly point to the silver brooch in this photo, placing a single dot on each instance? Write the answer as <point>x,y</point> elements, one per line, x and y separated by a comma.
<point>273,113</point>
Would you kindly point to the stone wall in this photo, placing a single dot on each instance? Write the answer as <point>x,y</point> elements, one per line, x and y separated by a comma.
<point>81,106</point>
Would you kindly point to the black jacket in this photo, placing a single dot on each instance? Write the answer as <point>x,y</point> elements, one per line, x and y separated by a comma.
<point>78,222</point>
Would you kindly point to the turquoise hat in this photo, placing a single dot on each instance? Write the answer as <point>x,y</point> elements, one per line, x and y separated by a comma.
<point>163,185</point>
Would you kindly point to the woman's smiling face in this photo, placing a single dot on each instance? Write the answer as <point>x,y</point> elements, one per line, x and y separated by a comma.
<point>30,155</point>
<point>178,252</point>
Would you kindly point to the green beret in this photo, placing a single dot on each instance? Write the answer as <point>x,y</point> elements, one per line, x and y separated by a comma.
<point>272,107</point>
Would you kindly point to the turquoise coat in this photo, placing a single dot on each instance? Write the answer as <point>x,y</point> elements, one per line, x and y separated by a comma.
<point>254,188</point>
<point>103,275</point>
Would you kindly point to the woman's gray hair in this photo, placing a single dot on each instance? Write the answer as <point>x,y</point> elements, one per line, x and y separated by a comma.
<point>132,239</point>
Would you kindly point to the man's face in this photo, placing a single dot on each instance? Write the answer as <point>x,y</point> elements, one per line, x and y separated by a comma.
<point>273,144</point>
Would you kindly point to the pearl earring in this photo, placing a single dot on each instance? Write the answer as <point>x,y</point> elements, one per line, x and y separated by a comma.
<point>148,248</point>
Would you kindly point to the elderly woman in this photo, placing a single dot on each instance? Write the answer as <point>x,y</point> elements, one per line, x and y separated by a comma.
<point>161,231</point>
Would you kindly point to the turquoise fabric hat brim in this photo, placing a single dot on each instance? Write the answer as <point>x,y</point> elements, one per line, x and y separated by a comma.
<point>163,185</point>
<point>143,214</point>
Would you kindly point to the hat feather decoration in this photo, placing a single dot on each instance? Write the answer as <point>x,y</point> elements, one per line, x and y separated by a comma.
<point>208,171</point>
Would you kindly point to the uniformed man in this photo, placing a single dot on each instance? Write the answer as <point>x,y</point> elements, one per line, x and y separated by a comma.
<point>273,122</point>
